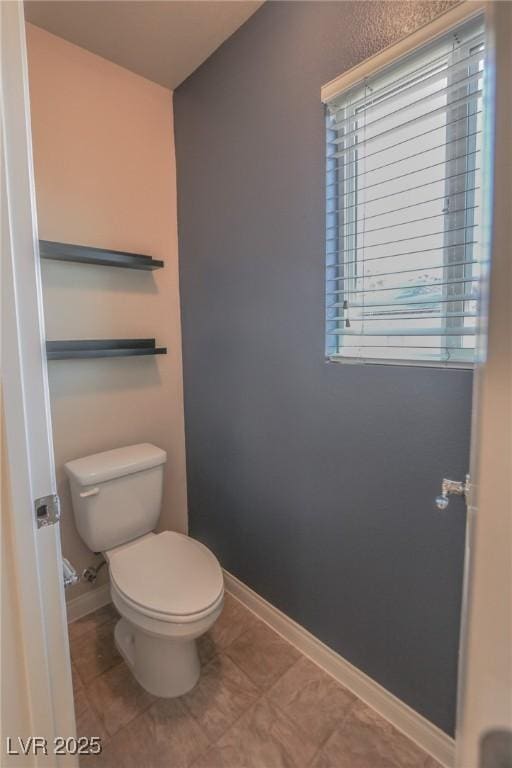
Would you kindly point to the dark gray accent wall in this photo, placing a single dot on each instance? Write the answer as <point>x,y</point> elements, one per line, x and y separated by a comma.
<point>313,482</point>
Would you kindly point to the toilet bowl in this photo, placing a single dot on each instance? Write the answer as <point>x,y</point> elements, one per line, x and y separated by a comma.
<point>167,587</point>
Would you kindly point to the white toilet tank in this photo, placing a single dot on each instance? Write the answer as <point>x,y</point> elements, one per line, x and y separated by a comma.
<point>117,494</point>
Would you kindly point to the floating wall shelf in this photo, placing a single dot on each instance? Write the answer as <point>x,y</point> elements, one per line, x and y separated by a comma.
<point>87,255</point>
<point>62,350</point>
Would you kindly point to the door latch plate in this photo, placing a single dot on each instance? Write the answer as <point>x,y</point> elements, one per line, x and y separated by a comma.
<point>47,510</point>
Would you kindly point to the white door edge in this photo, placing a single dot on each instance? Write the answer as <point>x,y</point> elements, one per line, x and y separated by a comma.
<point>484,702</point>
<point>37,552</point>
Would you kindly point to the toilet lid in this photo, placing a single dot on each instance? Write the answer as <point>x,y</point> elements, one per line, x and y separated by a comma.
<point>168,573</point>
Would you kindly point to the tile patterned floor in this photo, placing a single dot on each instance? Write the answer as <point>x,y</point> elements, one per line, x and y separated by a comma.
<point>259,704</point>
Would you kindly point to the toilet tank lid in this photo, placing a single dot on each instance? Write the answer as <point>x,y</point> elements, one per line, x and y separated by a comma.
<point>108,465</point>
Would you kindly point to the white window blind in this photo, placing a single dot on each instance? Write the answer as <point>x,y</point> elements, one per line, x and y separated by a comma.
<point>404,158</point>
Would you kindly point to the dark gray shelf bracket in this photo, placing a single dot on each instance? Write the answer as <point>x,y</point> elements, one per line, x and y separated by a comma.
<point>87,348</point>
<point>85,254</point>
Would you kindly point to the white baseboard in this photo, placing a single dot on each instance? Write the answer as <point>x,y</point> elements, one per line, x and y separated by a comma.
<point>87,603</point>
<point>416,727</point>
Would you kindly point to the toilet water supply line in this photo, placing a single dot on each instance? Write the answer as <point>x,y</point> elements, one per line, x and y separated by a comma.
<point>90,573</point>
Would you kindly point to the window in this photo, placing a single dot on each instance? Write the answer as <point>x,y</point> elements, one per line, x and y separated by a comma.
<point>404,157</point>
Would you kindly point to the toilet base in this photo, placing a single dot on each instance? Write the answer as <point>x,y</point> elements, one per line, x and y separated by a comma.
<point>164,666</point>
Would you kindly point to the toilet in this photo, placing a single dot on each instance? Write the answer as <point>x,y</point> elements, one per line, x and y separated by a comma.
<point>167,587</point>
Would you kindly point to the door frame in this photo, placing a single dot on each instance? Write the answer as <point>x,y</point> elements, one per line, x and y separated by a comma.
<point>37,555</point>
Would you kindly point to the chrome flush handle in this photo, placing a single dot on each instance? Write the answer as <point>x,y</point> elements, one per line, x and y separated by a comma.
<point>451,488</point>
<point>90,492</point>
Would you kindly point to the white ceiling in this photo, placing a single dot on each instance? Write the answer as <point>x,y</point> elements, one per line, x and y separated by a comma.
<point>163,40</point>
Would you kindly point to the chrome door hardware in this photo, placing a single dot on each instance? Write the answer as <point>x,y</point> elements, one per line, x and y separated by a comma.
<point>70,575</point>
<point>47,510</point>
<point>452,488</point>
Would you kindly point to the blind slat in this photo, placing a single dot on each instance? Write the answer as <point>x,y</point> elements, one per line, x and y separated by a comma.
<point>377,94</point>
<point>462,101</point>
<point>364,219</point>
<point>372,275</point>
<point>413,188</point>
<point>405,332</point>
<point>422,219</point>
<point>465,81</point>
<point>357,161</point>
<point>401,287</point>
<point>399,317</point>
<point>435,249</point>
<point>411,302</point>
<point>404,317</point>
<point>401,346</point>
<point>413,137</point>
<point>420,236</point>
<point>422,170</point>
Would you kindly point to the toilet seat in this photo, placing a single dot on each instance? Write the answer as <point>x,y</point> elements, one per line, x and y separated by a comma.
<point>168,577</point>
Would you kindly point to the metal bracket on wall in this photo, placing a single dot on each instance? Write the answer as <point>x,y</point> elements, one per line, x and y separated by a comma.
<point>47,510</point>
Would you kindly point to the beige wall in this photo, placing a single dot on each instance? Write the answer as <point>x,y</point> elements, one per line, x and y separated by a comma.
<point>105,176</point>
